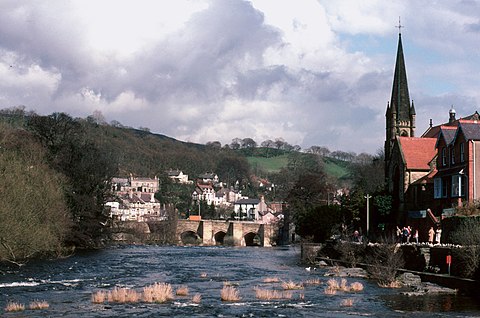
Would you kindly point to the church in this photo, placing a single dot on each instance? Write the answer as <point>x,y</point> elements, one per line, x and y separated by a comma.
<point>432,176</point>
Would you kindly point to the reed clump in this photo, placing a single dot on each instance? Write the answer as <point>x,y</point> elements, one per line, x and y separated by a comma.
<point>197,298</point>
<point>290,285</point>
<point>347,302</point>
<point>330,290</point>
<point>271,280</point>
<point>392,284</point>
<point>268,294</point>
<point>334,285</point>
<point>313,281</point>
<point>14,306</point>
<point>123,295</point>
<point>182,291</point>
<point>229,293</point>
<point>99,297</point>
<point>158,293</point>
<point>38,304</point>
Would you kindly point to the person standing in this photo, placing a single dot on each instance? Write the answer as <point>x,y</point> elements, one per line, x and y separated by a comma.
<point>431,234</point>
<point>415,236</point>
<point>438,235</point>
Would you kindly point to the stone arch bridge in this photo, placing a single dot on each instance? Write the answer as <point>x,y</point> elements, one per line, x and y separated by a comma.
<point>218,232</point>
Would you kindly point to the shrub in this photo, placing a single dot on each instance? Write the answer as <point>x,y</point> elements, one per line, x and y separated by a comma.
<point>468,256</point>
<point>384,260</point>
<point>229,293</point>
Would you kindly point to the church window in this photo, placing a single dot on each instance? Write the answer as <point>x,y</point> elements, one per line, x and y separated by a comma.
<point>462,152</point>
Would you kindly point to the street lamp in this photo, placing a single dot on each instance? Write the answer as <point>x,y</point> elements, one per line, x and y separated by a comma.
<point>368,196</point>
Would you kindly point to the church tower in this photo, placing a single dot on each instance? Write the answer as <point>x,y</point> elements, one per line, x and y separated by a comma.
<point>400,115</point>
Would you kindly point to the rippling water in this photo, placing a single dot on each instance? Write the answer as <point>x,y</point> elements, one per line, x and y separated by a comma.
<point>67,285</point>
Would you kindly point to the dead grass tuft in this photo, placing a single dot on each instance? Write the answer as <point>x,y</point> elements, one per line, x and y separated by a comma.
<point>37,304</point>
<point>347,302</point>
<point>271,280</point>
<point>343,286</point>
<point>268,294</point>
<point>330,291</point>
<point>203,275</point>
<point>290,285</point>
<point>197,298</point>
<point>182,291</point>
<point>229,293</point>
<point>99,297</point>
<point>157,293</point>
<point>13,306</point>
<point>394,284</point>
<point>313,281</point>
<point>123,295</point>
<point>333,284</point>
<point>356,287</point>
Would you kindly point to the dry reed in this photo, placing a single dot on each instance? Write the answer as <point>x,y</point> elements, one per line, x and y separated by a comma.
<point>290,285</point>
<point>99,297</point>
<point>203,275</point>
<point>343,286</point>
<point>330,291</point>
<point>356,287</point>
<point>301,296</point>
<point>268,294</point>
<point>37,304</point>
<point>229,293</point>
<point>394,284</point>
<point>347,302</point>
<point>197,298</point>
<point>271,280</point>
<point>182,291</point>
<point>13,306</point>
<point>313,281</point>
<point>158,293</point>
<point>333,284</point>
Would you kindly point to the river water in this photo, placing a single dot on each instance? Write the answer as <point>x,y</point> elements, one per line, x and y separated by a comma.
<point>67,285</point>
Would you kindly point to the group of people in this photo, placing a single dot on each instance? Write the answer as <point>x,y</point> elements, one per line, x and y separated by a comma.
<point>405,235</point>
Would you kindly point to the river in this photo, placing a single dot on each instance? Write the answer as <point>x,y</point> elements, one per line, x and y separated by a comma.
<point>67,286</point>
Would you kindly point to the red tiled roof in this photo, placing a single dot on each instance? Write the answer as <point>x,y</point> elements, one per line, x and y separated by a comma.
<point>418,152</point>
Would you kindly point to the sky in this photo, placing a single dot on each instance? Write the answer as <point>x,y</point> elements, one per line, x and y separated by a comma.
<point>313,72</point>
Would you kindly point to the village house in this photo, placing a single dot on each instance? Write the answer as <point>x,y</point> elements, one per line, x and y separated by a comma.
<point>178,176</point>
<point>135,199</point>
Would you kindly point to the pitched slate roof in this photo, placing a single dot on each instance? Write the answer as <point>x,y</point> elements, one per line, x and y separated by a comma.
<point>470,129</point>
<point>448,133</point>
<point>248,201</point>
<point>418,152</point>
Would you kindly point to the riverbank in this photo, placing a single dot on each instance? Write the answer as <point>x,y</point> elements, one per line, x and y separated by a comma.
<point>414,257</point>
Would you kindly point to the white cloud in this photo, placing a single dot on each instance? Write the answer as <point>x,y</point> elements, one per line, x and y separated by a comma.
<point>312,72</point>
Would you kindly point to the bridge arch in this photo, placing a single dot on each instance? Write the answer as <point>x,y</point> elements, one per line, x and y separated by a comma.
<point>190,238</point>
<point>219,237</point>
<point>252,239</point>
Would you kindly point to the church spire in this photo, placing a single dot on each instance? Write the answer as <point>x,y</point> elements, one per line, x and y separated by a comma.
<point>400,96</point>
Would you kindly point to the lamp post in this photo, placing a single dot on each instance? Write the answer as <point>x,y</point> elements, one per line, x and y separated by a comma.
<point>368,212</point>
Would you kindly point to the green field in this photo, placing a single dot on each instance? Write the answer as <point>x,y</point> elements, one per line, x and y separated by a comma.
<point>333,167</point>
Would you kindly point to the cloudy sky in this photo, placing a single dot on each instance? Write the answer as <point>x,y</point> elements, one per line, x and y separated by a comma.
<point>311,72</point>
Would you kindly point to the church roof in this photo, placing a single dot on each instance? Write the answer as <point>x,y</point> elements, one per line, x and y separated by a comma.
<point>400,101</point>
<point>418,152</point>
